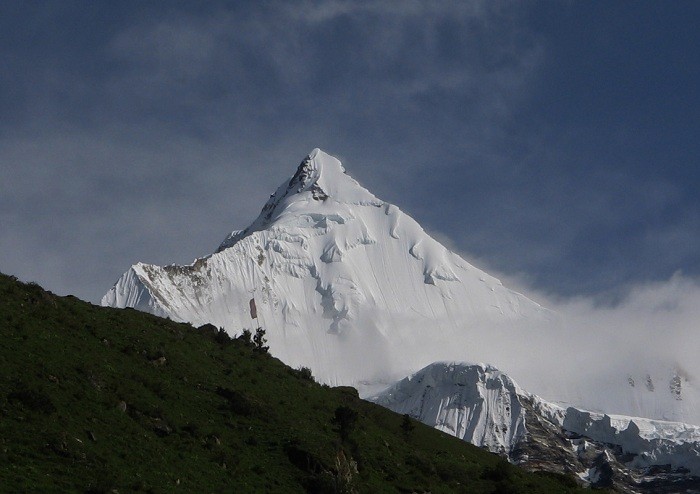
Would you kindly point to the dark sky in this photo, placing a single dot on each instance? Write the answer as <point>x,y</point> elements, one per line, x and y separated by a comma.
<point>555,143</point>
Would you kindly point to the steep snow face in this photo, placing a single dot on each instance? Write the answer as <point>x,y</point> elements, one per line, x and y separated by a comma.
<point>343,283</point>
<point>476,403</point>
<point>485,407</point>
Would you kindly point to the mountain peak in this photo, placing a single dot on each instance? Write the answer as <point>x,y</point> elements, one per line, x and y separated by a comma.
<point>324,176</point>
<point>319,185</point>
<point>342,282</point>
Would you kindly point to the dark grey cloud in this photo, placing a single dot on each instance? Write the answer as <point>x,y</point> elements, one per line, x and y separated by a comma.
<point>548,142</point>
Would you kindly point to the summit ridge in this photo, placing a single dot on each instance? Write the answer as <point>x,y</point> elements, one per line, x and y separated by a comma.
<point>320,177</point>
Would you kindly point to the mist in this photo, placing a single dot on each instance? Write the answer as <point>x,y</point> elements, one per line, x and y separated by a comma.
<point>618,358</point>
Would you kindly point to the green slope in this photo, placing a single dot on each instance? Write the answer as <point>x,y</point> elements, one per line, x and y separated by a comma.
<point>105,400</point>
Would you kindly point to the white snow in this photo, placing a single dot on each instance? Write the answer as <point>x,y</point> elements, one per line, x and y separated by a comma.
<point>476,403</point>
<point>655,442</point>
<point>482,405</point>
<point>344,283</point>
<point>353,288</point>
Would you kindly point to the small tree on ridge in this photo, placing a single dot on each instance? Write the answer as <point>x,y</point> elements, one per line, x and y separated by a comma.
<point>259,341</point>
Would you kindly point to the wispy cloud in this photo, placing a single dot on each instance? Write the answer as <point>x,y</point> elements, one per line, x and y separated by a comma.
<point>588,355</point>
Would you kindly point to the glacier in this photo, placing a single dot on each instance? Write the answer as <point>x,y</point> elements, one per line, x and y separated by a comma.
<point>353,288</point>
<point>484,406</point>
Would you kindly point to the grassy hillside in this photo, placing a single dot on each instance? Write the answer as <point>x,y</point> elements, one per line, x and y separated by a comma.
<point>105,400</point>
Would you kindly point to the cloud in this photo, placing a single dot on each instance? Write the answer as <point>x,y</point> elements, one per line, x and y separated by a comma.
<point>345,51</point>
<point>591,351</point>
<point>597,357</point>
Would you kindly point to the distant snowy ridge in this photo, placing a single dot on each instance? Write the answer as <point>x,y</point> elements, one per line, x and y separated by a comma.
<point>652,442</point>
<point>485,407</point>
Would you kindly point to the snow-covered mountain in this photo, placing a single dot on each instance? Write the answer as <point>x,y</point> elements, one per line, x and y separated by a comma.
<point>343,283</point>
<point>355,289</point>
<point>482,405</point>
<point>474,402</point>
